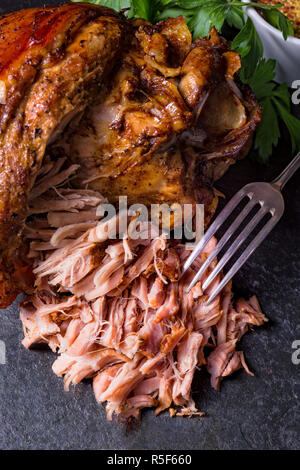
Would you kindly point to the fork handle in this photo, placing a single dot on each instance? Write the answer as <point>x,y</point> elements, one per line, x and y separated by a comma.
<point>284,177</point>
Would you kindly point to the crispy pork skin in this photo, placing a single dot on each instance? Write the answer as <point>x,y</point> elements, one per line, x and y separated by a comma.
<point>136,106</point>
<point>172,122</point>
<point>53,61</point>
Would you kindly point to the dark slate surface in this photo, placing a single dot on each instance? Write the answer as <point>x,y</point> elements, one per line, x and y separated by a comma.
<point>260,412</point>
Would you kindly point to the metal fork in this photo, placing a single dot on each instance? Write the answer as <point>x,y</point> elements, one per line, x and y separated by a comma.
<point>268,196</point>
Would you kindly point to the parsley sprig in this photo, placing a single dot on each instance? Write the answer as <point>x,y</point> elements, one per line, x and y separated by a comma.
<point>276,106</point>
<point>258,73</point>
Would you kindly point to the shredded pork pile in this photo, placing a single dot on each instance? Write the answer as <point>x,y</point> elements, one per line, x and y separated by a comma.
<point>117,310</point>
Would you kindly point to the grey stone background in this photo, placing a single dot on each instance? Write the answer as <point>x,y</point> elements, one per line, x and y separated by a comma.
<point>260,412</point>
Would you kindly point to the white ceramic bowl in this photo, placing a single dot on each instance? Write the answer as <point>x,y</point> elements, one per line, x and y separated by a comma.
<point>287,53</point>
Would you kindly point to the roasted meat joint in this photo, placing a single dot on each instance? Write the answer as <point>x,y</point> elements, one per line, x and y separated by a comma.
<point>93,107</point>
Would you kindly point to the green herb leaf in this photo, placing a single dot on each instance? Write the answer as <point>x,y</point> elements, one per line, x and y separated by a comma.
<point>268,132</point>
<point>248,44</point>
<point>117,5</point>
<point>167,3</point>
<point>292,124</point>
<point>192,4</point>
<point>145,9</point>
<point>241,43</point>
<point>261,80</point>
<point>200,23</point>
<point>174,13</point>
<point>235,17</point>
<point>282,93</point>
<point>211,14</point>
<point>276,104</point>
<point>279,21</point>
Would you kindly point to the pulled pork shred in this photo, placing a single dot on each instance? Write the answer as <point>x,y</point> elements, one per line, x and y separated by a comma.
<point>118,311</point>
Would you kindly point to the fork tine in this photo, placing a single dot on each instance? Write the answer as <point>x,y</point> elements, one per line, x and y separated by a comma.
<point>245,255</point>
<point>222,217</point>
<point>227,235</point>
<point>235,246</point>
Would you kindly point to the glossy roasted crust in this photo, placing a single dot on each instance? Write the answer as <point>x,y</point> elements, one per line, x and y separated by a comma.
<point>25,32</point>
<point>153,97</point>
<point>53,60</point>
